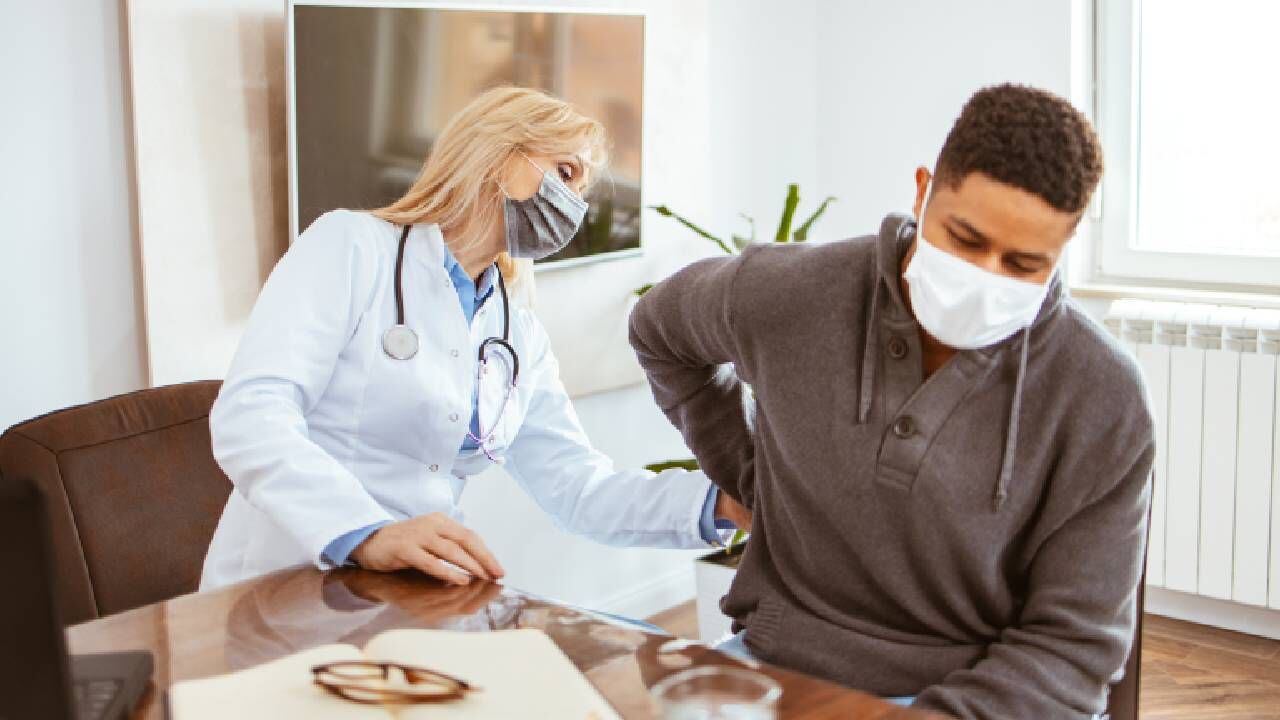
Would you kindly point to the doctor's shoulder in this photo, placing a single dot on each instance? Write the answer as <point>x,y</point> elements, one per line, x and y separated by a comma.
<point>350,239</point>
<point>348,227</point>
<point>339,250</point>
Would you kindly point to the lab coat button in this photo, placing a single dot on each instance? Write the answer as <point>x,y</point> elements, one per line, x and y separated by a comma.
<point>897,348</point>
<point>904,427</point>
<point>453,417</point>
<point>454,353</point>
<point>434,467</point>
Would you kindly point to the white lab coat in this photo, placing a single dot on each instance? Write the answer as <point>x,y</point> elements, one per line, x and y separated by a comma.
<point>322,433</point>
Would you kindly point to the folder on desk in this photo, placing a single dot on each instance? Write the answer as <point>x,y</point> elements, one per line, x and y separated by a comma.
<point>521,673</point>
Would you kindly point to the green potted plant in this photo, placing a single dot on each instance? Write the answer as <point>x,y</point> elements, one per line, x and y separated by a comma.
<point>713,572</point>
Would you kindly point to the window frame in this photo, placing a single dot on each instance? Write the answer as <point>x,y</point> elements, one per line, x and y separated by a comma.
<point>1105,76</point>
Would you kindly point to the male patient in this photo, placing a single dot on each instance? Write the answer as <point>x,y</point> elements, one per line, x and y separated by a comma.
<point>946,461</point>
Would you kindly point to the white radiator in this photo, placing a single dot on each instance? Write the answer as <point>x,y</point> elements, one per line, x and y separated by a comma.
<point>1214,385</point>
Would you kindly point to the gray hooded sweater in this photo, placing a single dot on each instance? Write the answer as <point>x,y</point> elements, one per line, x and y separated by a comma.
<point>975,539</point>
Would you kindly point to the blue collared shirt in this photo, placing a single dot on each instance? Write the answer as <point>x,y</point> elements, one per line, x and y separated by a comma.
<point>472,295</point>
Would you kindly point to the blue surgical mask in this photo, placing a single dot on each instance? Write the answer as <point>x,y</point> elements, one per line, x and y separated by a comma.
<point>543,224</point>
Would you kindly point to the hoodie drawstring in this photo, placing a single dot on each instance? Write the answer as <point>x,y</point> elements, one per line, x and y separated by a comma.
<point>869,355</point>
<point>1011,435</point>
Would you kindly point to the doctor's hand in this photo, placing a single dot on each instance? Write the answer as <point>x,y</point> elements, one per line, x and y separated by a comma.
<point>427,543</point>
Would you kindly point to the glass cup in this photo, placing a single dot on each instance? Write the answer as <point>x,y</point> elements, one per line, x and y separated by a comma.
<point>717,693</point>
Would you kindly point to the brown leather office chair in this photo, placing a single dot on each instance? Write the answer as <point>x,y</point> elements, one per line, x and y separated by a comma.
<point>1123,702</point>
<point>134,492</point>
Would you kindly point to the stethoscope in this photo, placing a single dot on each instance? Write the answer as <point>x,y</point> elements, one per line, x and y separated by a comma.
<point>400,342</point>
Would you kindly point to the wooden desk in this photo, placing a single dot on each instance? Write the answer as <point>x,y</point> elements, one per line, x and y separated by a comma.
<point>211,633</point>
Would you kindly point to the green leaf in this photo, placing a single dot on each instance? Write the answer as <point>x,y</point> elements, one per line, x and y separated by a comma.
<point>738,537</point>
<point>689,464</point>
<point>788,214</point>
<point>640,291</point>
<point>665,211</point>
<point>802,232</point>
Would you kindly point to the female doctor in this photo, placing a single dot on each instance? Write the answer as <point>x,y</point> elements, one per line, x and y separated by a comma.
<point>383,364</point>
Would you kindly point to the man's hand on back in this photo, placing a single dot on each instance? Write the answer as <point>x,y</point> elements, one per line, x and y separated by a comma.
<point>729,509</point>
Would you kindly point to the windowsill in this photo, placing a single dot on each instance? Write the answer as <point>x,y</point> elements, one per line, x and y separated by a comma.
<point>1116,291</point>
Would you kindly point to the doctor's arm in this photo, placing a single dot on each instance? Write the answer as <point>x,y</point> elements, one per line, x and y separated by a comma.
<point>307,312</point>
<point>304,316</point>
<point>684,332</point>
<point>579,487</point>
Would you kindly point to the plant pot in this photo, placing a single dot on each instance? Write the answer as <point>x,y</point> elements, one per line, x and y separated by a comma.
<point>713,574</point>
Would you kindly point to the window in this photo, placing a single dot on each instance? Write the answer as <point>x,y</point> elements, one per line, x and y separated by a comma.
<point>1187,106</point>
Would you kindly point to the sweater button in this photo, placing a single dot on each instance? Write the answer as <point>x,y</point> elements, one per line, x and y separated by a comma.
<point>904,427</point>
<point>897,348</point>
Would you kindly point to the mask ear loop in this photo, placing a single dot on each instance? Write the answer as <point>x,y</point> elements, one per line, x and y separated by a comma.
<point>503,188</point>
<point>535,165</point>
<point>556,180</point>
<point>924,205</point>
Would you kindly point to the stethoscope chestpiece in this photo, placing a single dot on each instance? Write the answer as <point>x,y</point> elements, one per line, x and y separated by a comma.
<point>400,342</point>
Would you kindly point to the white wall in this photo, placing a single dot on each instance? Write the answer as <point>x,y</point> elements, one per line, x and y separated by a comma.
<point>894,76</point>
<point>207,101</point>
<point>763,86</point>
<point>70,316</point>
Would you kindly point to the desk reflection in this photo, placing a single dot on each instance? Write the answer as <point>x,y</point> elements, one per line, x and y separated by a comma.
<point>293,611</point>
<point>267,618</point>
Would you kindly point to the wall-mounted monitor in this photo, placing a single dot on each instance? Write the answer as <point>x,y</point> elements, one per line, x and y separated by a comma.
<point>370,87</point>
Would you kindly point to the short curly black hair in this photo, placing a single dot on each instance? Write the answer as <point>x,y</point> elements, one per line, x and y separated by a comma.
<point>1028,138</point>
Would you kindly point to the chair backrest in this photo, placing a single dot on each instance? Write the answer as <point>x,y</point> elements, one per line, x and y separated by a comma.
<point>134,494</point>
<point>1122,703</point>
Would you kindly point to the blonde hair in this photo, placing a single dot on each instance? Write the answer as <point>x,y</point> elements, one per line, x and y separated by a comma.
<point>458,185</point>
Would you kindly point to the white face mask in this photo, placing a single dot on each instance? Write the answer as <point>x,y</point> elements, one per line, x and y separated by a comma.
<point>961,304</point>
